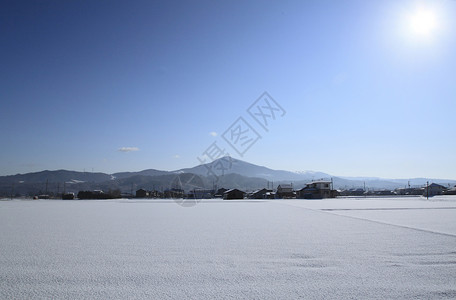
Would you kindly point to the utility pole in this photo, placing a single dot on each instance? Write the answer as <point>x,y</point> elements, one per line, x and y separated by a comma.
<point>427,190</point>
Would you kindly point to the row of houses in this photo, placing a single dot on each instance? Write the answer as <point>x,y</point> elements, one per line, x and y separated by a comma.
<point>430,190</point>
<point>314,190</point>
<point>192,194</point>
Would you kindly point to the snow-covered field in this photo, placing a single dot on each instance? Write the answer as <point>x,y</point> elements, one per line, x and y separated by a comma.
<point>366,248</point>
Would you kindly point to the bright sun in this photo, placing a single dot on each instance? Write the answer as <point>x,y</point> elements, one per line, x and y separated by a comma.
<point>423,22</point>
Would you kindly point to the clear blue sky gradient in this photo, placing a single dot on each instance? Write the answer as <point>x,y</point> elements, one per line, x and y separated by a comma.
<point>363,95</point>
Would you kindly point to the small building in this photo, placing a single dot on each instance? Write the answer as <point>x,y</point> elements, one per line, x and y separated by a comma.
<point>142,193</point>
<point>68,196</point>
<point>285,191</point>
<point>260,194</point>
<point>233,194</point>
<point>316,190</point>
<point>434,189</point>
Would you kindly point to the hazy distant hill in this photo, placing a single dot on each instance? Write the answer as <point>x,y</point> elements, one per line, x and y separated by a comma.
<point>48,181</point>
<point>148,172</point>
<point>375,182</point>
<point>341,183</point>
<point>55,176</point>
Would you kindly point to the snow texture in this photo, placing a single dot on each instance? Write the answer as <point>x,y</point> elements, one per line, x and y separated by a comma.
<point>393,248</point>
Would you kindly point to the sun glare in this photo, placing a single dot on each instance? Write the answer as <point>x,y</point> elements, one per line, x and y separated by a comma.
<point>423,22</point>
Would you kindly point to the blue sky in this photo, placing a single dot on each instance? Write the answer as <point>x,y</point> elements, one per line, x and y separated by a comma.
<point>364,94</point>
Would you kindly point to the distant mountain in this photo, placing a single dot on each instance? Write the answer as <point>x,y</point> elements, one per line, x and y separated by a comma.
<point>186,181</point>
<point>238,174</point>
<point>241,182</point>
<point>250,170</point>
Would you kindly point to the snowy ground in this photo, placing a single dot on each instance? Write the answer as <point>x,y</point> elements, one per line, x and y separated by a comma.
<point>366,248</point>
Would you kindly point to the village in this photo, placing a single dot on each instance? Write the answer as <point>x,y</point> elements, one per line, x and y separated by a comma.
<point>320,189</point>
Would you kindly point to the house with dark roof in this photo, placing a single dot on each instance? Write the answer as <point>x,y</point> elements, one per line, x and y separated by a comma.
<point>434,189</point>
<point>285,191</point>
<point>142,193</point>
<point>316,190</point>
<point>233,194</point>
<point>260,194</point>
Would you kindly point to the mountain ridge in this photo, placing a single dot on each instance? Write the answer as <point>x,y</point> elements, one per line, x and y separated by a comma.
<point>237,173</point>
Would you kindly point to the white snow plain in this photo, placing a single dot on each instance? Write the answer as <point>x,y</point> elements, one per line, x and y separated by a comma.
<point>356,248</point>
